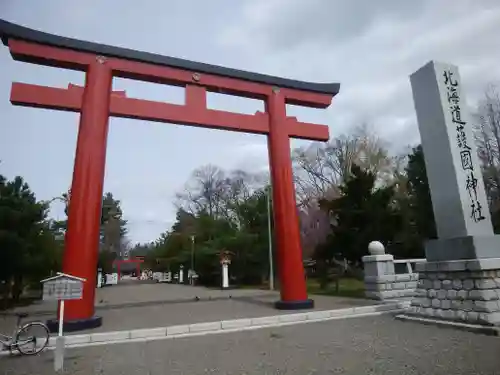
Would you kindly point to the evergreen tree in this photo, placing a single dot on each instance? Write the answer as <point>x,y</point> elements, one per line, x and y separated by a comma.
<point>28,250</point>
<point>418,223</point>
<point>419,194</point>
<point>362,214</point>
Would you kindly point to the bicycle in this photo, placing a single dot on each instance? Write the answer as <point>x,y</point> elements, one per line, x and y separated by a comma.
<point>26,335</point>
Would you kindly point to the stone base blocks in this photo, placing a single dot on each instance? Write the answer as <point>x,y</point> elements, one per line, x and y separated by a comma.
<point>391,286</point>
<point>381,281</point>
<point>459,290</point>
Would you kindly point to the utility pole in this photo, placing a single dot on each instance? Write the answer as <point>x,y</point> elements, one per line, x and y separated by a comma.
<point>270,238</point>
<point>192,257</point>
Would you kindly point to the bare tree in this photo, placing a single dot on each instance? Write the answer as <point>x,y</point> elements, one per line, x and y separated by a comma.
<point>217,192</point>
<point>203,191</point>
<point>321,168</point>
<point>487,137</point>
<point>314,228</point>
<point>398,178</point>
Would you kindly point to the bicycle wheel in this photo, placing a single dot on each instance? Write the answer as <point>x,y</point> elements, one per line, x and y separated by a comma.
<point>32,338</point>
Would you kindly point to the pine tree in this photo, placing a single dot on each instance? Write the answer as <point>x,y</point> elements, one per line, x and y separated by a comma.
<point>362,214</point>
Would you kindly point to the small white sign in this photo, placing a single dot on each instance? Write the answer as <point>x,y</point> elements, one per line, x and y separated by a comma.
<point>62,287</point>
<point>111,279</point>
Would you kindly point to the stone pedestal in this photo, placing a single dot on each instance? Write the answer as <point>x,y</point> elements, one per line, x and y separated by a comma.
<point>381,281</point>
<point>460,290</point>
<point>181,275</point>
<point>99,279</point>
<point>225,276</point>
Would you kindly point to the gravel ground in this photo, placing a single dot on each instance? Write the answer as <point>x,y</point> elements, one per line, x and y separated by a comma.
<point>372,345</point>
<point>161,305</point>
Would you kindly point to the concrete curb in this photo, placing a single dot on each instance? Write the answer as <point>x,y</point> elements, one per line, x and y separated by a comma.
<point>475,328</point>
<point>224,326</point>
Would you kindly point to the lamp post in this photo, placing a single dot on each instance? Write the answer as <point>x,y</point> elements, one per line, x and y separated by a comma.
<point>270,238</point>
<point>192,259</point>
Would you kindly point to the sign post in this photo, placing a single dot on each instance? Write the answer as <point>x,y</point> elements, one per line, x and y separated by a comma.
<point>60,288</point>
<point>61,318</point>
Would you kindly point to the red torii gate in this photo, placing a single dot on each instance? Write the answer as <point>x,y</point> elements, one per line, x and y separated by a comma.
<point>118,263</point>
<point>96,102</point>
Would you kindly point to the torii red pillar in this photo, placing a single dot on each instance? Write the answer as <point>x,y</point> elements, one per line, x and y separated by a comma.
<point>96,103</point>
<point>293,287</point>
<point>84,214</point>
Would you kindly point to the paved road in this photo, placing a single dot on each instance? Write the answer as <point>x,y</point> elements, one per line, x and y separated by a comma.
<point>135,293</point>
<point>160,305</point>
<point>372,345</point>
<point>165,314</point>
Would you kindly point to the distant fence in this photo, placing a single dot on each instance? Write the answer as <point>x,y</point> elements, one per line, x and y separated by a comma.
<point>406,265</point>
<point>387,278</point>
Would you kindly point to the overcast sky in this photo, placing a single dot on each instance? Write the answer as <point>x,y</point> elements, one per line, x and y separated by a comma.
<point>370,47</point>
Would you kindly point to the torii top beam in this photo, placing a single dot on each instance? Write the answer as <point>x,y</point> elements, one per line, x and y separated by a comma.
<point>41,48</point>
<point>12,31</point>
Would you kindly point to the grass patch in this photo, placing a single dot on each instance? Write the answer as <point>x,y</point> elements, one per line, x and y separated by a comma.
<point>348,287</point>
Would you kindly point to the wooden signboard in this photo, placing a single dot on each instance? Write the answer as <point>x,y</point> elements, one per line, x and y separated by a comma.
<point>63,288</point>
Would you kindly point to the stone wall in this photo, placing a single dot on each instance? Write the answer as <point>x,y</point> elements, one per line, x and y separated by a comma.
<point>391,286</point>
<point>381,280</point>
<point>467,291</point>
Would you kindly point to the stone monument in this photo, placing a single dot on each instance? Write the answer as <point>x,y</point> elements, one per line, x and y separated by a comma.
<point>461,278</point>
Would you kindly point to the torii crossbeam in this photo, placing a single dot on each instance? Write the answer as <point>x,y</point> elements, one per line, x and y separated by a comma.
<point>96,103</point>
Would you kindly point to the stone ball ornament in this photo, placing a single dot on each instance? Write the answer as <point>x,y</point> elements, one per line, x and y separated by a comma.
<point>376,248</point>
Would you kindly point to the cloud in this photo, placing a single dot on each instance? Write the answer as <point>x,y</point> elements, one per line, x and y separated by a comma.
<point>252,156</point>
<point>289,24</point>
<point>370,47</point>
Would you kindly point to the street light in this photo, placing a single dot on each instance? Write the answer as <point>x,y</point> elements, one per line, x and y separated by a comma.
<point>192,252</point>
<point>270,239</point>
<point>192,258</point>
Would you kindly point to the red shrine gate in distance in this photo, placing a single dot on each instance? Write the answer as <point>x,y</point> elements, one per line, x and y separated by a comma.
<point>96,102</point>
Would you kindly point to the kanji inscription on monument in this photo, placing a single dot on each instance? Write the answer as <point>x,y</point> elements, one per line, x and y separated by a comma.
<point>457,189</point>
<point>466,255</point>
